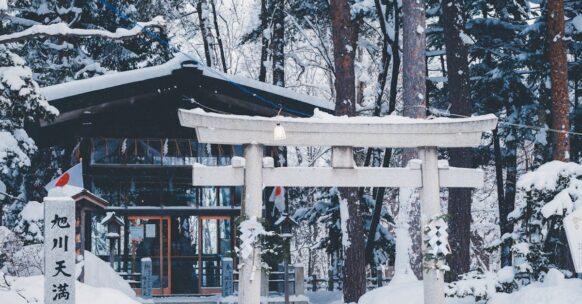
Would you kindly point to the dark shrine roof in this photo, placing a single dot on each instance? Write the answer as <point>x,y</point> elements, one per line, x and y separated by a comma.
<point>180,78</point>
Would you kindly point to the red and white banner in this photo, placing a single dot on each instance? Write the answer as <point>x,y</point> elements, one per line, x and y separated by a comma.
<point>72,177</point>
<point>278,197</point>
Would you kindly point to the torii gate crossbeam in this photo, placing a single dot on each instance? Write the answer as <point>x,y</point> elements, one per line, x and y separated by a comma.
<point>342,134</point>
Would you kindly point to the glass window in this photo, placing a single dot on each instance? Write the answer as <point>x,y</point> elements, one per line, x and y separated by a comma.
<point>208,198</point>
<point>225,196</point>
<point>209,237</point>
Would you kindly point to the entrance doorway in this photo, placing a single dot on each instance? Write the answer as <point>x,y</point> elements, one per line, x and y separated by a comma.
<point>186,251</point>
<point>149,236</point>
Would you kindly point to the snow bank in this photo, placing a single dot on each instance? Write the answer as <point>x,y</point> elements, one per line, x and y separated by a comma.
<point>555,290</point>
<point>24,290</point>
<point>410,293</point>
<point>98,273</point>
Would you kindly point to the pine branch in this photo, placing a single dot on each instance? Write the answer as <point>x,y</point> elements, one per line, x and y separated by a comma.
<point>63,30</point>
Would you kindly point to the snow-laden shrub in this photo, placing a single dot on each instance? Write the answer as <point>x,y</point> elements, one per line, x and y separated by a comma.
<point>546,196</point>
<point>20,104</point>
<point>30,223</point>
<point>481,286</point>
<point>18,259</point>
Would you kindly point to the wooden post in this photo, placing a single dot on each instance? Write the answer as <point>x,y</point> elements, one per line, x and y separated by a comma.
<point>329,280</point>
<point>264,284</point>
<point>299,279</point>
<point>379,276</point>
<point>146,278</point>
<point>250,274</point>
<point>227,277</point>
<point>430,207</point>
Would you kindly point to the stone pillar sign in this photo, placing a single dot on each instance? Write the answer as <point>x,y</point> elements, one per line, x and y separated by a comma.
<point>573,227</point>
<point>59,250</point>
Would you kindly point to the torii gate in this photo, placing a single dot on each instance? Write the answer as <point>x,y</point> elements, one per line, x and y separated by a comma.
<point>342,134</point>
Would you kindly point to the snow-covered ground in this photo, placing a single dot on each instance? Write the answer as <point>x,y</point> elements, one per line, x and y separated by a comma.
<point>555,290</point>
<point>24,290</point>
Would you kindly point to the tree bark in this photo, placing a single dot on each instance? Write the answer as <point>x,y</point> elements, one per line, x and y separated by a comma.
<point>508,205</point>
<point>414,95</point>
<point>278,43</point>
<point>264,42</point>
<point>395,61</point>
<point>459,205</point>
<point>503,222</point>
<point>344,36</point>
<point>559,78</point>
<point>385,58</point>
<point>218,38</point>
<point>201,6</point>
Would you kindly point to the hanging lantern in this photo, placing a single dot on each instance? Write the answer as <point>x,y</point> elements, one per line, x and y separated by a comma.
<point>286,224</point>
<point>279,132</point>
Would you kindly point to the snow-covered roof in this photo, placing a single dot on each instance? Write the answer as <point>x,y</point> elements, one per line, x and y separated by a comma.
<point>82,86</point>
<point>78,87</point>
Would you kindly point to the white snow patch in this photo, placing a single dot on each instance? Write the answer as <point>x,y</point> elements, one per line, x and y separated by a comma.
<point>566,291</point>
<point>98,273</point>
<point>506,274</point>
<point>24,290</point>
<point>554,278</point>
<point>64,29</point>
<point>32,211</point>
<point>466,38</point>
<point>345,215</point>
<point>547,175</point>
<point>577,22</point>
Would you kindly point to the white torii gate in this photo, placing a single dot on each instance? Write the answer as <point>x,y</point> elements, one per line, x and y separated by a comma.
<point>342,134</point>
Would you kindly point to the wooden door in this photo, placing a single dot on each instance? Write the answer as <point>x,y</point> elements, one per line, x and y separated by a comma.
<point>150,237</point>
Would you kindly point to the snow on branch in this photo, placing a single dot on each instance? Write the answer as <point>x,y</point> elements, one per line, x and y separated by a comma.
<point>63,30</point>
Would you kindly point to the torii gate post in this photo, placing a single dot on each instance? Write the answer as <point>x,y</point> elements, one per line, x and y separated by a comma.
<point>342,134</point>
<point>430,206</point>
<point>250,279</point>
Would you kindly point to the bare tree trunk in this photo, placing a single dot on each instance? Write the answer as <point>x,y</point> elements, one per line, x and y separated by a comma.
<point>201,7</point>
<point>278,43</point>
<point>508,205</point>
<point>344,36</point>
<point>459,205</point>
<point>504,226</point>
<point>218,38</point>
<point>414,88</point>
<point>264,42</point>
<point>395,61</point>
<point>385,58</point>
<point>379,192</point>
<point>559,78</point>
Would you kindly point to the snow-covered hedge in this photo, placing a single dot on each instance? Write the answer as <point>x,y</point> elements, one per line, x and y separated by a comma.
<point>546,196</point>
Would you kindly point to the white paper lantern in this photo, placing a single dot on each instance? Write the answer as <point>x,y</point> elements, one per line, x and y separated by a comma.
<point>279,132</point>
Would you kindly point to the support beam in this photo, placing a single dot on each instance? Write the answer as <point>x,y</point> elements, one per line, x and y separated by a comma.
<point>337,177</point>
<point>433,280</point>
<point>250,274</point>
<point>332,177</point>
<point>342,157</point>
